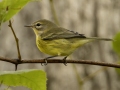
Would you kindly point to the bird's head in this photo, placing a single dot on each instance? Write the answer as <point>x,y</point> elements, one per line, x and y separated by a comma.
<point>41,26</point>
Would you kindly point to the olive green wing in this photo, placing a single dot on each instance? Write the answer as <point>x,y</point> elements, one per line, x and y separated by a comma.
<point>60,33</point>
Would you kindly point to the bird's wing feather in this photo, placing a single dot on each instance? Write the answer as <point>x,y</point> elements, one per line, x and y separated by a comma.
<point>60,33</point>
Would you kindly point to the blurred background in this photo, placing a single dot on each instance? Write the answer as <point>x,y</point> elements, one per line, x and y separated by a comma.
<point>98,18</point>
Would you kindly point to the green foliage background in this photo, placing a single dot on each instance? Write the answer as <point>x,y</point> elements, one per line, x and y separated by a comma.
<point>33,79</point>
<point>8,8</point>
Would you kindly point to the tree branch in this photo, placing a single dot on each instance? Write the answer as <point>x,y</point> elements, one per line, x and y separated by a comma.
<point>16,39</point>
<point>23,61</point>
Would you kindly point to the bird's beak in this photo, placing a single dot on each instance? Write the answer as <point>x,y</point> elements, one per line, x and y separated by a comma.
<point>28,26</point>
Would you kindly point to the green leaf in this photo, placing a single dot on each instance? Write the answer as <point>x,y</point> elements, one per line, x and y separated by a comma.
<point>116,43</point>
<point>118,70</point>
<point>8,8</point>
<point>33,79</point>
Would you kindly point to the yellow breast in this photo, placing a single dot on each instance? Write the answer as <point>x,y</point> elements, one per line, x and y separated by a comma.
<point>60,47</point>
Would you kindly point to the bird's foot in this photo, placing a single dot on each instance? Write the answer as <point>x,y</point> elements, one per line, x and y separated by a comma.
<point>44,64</point>
<point>65,62</point>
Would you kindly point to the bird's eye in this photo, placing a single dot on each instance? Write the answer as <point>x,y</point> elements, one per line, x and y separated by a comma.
<point>38,24</point>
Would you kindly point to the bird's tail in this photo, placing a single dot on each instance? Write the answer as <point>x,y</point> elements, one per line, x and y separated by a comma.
<point>83,41</point>
<point>97,38</point>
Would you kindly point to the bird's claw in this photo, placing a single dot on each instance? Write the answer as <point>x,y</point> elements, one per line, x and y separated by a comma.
<point>44,64</point>
<point>65,62</point>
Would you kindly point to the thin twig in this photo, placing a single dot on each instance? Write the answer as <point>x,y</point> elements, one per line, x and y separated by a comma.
<point>16,39</point>
<point>53,12</point>
<point>23,61</point>
<point>78,77</point>
<point>90,76</point>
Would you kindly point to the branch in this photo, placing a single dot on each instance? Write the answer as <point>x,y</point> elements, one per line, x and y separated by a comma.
<point>16,39</point>
<point>23,61</point>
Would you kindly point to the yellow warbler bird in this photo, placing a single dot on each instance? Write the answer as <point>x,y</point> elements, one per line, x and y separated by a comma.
<point>57,41</point>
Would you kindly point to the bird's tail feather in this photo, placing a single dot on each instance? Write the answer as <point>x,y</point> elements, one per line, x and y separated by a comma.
<point>97,38</point>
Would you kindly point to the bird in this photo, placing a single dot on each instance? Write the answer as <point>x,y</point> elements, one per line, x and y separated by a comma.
<point>57,41</point>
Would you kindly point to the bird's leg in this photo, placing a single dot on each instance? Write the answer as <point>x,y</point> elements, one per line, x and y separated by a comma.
<point>64,59</point>
<point>47,59</point>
